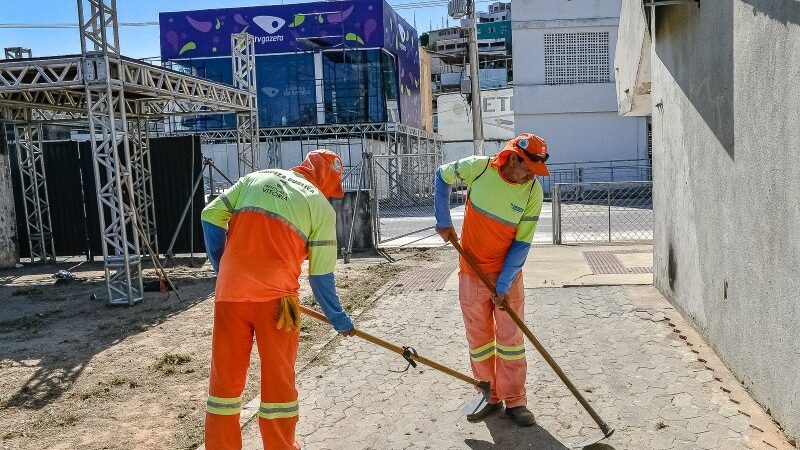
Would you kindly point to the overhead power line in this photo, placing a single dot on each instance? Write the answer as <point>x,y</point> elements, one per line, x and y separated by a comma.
<point>70,25</point>
<point>406,5</point>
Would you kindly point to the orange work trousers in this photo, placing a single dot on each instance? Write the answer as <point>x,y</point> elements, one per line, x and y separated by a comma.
<point>496,346</point>
<point>235,323</point>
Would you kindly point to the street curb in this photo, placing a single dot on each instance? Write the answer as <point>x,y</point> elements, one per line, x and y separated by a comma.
<point>764,427</point>
<point>598,285</point>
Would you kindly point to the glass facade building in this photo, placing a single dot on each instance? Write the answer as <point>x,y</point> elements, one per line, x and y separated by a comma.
<point>347,73</point>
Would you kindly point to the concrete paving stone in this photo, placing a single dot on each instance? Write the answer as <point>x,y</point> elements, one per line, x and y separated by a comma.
<point>690,412</point>
<point>682,434</point>
<point>705,376</point>
<point>639,378</point>
<point>698,425</point>
<point>728,410</point>
<point>708,440</point>
<point>662,441</point>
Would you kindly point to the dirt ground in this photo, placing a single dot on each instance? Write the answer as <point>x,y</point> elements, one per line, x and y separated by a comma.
<point>76,373</point>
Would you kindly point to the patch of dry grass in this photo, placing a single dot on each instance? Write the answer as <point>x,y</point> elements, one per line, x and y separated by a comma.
<point>168,364</point>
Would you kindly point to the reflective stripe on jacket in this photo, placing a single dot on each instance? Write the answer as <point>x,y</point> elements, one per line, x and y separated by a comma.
<point>275,219</point>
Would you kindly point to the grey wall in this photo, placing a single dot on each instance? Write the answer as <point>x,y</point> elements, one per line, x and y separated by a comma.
<point>726,165</point>
<point>8,220</point>
<point>579,121</point>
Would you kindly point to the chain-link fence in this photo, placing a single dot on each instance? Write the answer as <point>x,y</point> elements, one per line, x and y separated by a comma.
<point>598,171</point>
<point>603,212</point>
<point>403,186</point>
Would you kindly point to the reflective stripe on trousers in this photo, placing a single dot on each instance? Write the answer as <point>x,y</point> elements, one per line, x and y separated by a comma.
<point>235,323</point>
<point>491,332</point>
<point>224,406</point>
<point>483,352</point>
<point>278,410</point>
<point>511,353</point>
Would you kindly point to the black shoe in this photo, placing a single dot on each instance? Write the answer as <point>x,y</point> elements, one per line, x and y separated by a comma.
<point>521,416</point>
<point>484,412</point>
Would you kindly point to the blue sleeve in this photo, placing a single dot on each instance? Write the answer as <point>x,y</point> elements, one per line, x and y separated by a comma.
<point>441,202</point>
<point>325,293</point>
<point>214,237</point>
<point>515,259</point>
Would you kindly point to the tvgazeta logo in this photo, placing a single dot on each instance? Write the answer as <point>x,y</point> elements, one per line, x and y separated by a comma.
<point>270,24</point>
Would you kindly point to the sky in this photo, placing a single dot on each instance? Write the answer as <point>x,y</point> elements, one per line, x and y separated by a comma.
<point>143,41</point>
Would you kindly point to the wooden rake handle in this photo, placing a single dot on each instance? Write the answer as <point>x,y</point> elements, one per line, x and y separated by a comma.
<point>401,351</point>
<point>607,431</point>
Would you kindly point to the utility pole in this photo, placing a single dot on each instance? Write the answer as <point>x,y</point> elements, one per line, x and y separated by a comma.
<point>477,107</point>
<point>457,9</point>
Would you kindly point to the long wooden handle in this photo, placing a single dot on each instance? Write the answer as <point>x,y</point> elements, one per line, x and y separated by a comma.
<point>399,350</point>
<point>529,334</point>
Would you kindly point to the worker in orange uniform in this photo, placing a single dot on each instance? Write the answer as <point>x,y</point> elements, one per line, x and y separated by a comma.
<point>274,219</point>
<point>502,210</point>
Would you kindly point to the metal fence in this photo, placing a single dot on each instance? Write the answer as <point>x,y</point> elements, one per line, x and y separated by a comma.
<point>403,186</point>
<point>599,171</point>
<point>602,212</point>
<point>404,183</point>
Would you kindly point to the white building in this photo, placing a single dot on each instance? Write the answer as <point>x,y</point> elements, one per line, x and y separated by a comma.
<point>564,81</point>
<point>498,11</point>
<point>454,122</point>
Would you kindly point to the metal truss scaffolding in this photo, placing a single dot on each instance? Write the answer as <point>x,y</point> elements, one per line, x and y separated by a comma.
<point>142,177</point>
<point>117,96</point>
<point>34,192</point>
<point>244,77</point>
<point>111,150</point>
<point>400,163</point>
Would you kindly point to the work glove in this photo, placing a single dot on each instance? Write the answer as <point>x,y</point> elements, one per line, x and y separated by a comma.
<point>289,314</point>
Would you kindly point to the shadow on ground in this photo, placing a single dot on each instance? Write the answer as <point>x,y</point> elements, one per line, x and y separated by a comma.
<point>506,435</point>
<point>57,329</point>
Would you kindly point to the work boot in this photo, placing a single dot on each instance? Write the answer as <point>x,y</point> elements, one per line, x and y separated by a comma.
<point>484,412</point>
<point>521,416</point>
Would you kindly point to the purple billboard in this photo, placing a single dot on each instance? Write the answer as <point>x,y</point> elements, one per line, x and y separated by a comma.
<point>401,40</point>
<point>301,27</point>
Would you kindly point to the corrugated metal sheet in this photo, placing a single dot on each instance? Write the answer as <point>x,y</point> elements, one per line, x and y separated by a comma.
<point>73,202</point>
<point>176,162</point>
<point>62,167</point>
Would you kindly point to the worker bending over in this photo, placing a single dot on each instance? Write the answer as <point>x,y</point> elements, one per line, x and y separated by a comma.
<point>274,220</point>
<point>503,205</point>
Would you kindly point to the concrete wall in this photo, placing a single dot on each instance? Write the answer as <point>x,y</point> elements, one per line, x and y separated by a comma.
<point>564,9</point>
<point>587,137</point>
<point>455,118</point>
<point>726,169</point>
<point>632,60</point>
<point>579,121</point>
<point>9,252</point>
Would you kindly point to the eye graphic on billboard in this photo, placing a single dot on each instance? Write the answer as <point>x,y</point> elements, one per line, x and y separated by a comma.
<point>270,91</point>
<point>270,24</point>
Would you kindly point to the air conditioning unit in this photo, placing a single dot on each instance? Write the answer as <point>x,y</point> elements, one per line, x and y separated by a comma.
<point>457,9</point>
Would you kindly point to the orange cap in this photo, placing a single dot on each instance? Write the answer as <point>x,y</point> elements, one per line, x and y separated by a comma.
<point>323,169</point>
<point>533,150</point>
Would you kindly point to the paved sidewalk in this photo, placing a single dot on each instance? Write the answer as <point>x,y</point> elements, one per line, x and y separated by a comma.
<point>642,367</point>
